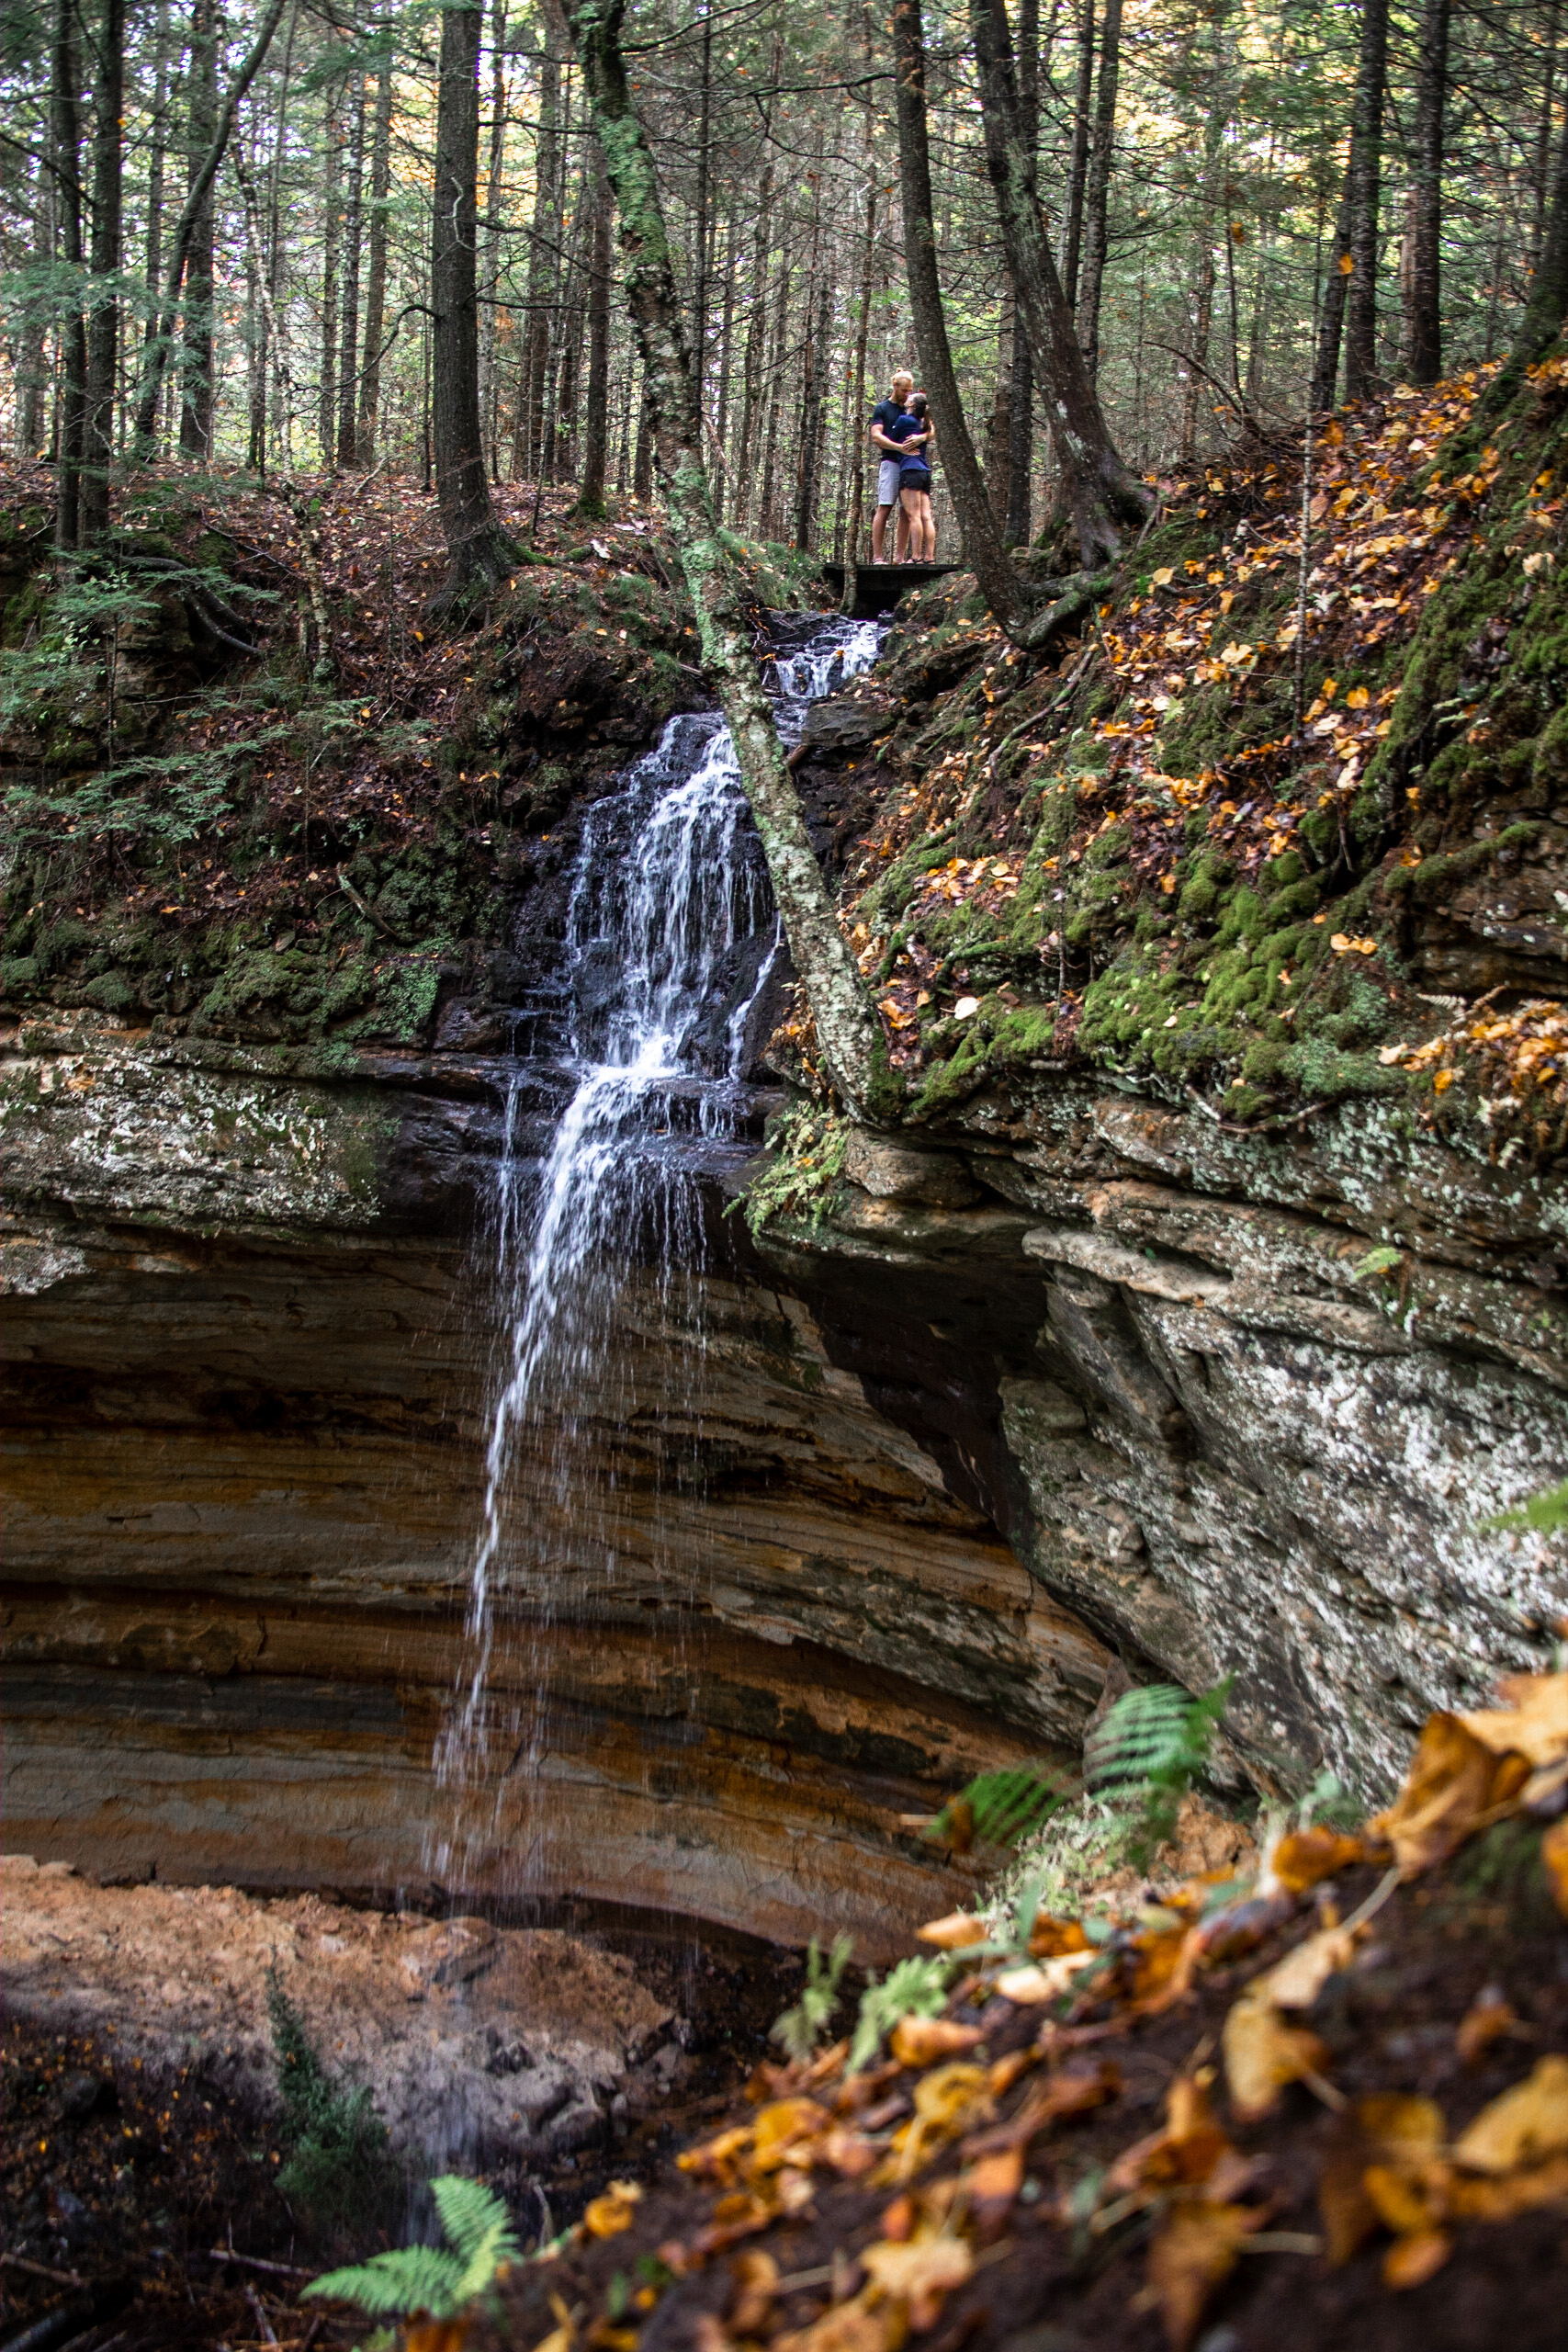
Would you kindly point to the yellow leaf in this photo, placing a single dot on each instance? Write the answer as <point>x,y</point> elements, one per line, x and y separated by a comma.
<point>1442,1082</point>
<point>920,2042</point>
<point>1358,698</point>
<point>1163,577</point>
<point>1388,2127</point>
<point>1534,1721</point>
<point>1525,2125</point>
<point>1262,2053</point>
<point>1515,2193</point>
<point>1307,1856</point>
<point>1042,1982</point>
<point>1297,1979</point>
<point>1194,2253</point>
<point>781,2127</point>
<point>1346,265</point>
<point>1454,1785</point>
<point>1168,883</point>
<point>954,1933</point>
<point>918,2275</point>
<point>845,2327</point>
<point>608,2215</point>
<point>951,2095</point>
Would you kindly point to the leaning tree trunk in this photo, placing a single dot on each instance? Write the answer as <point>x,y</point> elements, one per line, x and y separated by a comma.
<point>983,549</point>
<point>478,551</point>
<point>97,423</point>
<point>847,1028</point>
<point>1424,339</point>
<point>1365,160</point>
<point>1102,497</point>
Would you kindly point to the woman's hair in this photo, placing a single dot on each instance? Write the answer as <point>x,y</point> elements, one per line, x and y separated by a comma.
<point>915,404</point>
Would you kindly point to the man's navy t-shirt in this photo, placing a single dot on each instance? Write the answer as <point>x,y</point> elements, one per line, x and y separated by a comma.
<point>886,414</point>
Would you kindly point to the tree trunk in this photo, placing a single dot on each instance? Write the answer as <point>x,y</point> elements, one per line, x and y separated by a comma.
<point>103,335</point>
<point>70,398</point>
<point>1366,159</point>
<point>32,333</point>
<point>256,326</point>
<point>998,424</point>
<point>158,348</point>
<point>1021,399</point>
<point>1097,196</point>
<point>1077,172</point>
<point>353,229</point>
<point>642,458</point>
<point>1548,304</point>
<point>857,386</point>
<point>332,224</point>
<point>196,387</point>
<point>813,406</point>
<point>847,1028</point>
<point>1099,494</point>
<point>700,279</point>
<point>983,549</point>
<point>530,437</point>
<point>724,493</point>
<point>767,517</point>
<point>376,286</point>
<point>1331,326</point>
<point>756,351</point>
<point>1543,173</point>
<point>1424,342</point>
<point>156,167</point>
<point>479,552</point>
<point>596,426</point>
<point>491,283</point>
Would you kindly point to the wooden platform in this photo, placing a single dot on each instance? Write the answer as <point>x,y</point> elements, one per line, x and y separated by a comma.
<point>878,586</point>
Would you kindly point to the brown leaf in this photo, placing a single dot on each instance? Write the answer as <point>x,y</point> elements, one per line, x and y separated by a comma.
<point>1194,2253</point>
<point>1515,2193</point>
<point>954,1933</point>
<point>919,2275</point>
<point>1523,2126</point>
<point>1534,1721</point>
<point>992,2182</point>
<point>1295,1982</point>
<point>781,2127</point>
<point>1455,1784</point>
<point>1388,2127</point>
<point>756,2277</point>
<point>1262,2053</point>
<point>846,2327</point>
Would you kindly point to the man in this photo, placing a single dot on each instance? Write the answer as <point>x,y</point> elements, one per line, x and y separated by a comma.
<point>883,417</point>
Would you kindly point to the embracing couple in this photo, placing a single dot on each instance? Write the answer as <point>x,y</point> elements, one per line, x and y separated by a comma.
<point>901,434</point>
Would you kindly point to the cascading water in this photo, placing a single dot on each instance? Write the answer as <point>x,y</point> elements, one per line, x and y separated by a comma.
<point>670,938</point>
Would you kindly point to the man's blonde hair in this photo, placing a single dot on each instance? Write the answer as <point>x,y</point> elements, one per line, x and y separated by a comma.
<point>902,376</point>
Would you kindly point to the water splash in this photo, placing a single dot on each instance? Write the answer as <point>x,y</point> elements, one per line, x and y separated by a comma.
<point>671,937</point>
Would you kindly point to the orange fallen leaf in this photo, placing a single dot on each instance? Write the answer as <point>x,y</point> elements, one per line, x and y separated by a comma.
<point>845,2327</point>
<point>442,2335</point>
<point>1412,2260</point>
<point>756,2277</point>
<point>1455,1785</point>
<point>781,2127</point>
<point>1193,2254</point>
<point>1308,1855</point>
<point>1515,2193</point>
<point>1554,1862</point>
<point>608,2215</point>
<point>1488,2017</point>
<point>1388,2127</point>
<point>992,2182</point>
<point>1534,1721</point>
<point>1295,1982</point>
<point>1052,1937</point>
<point>1522,2126</point>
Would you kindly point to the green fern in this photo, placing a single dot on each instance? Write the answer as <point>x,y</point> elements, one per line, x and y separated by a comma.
<point>801,2028</point>
<point>1150,1748</point>
<point>913,1986</point>
<point>440,2281</point>
<point>998,1808</point>
<point>1543,1513</point>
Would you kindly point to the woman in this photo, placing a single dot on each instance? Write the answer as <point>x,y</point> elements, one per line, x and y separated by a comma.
<point>914,432</point>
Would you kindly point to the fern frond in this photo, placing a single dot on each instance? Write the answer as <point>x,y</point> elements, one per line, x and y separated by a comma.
<point>800,2029</point>
<point>1142,1734</point>
<point>998,1808</point>
<point>408,2278</point>
<point>475,2223</point>
<point>917,1987</point>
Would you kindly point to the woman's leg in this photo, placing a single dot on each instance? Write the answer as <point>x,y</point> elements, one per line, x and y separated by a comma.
<point>908,527</point>
<point>929,518</point>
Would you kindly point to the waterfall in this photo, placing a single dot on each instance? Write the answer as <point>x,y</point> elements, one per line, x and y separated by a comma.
<point>671,936</point>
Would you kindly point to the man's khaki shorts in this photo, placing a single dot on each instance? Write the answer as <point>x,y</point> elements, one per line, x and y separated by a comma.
<point>887,482</point>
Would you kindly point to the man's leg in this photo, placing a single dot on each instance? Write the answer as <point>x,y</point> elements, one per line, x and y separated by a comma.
<point>879,534</point>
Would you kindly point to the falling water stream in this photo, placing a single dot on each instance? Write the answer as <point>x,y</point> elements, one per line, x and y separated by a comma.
<point>672,937</point>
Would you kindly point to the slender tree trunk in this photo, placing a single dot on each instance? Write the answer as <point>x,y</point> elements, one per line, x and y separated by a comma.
<point>32,341</point>
<point>756,350</point>
<point>1424,342</point>
<point>812,406</point>
<point>156,167</point>
<point>983,549</point>
<point>272,263</point>
<point>1543,173</point>
<point>352,232</point>
<point>1101,496</point>
<point>72,396</point>
<point>331,227</point>
<point>492,281</point>
<point>998,424</point>
<point>1209,201</point>
<point>847,1028</point>
<point>535,346</point>
<point>700,281</point>
<point>478,551</point>
<point>1097,198</point>
<point>596,428</point>
<point>642,460</point>
<point>1548,304</point>
<point>1077,170</point>
<point>1331,325</point>
<point>376,286</point>
<point>197,389</point>
<point>103,329</point>
<point>1020,402</point>
<point>158,349</point>
<point>768,522</point>
<point>1365,160</point>
<point>857,386</point>
<point>256,327</point>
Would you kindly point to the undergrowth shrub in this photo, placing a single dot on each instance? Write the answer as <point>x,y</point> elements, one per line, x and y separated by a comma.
<point>338,2163</point>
